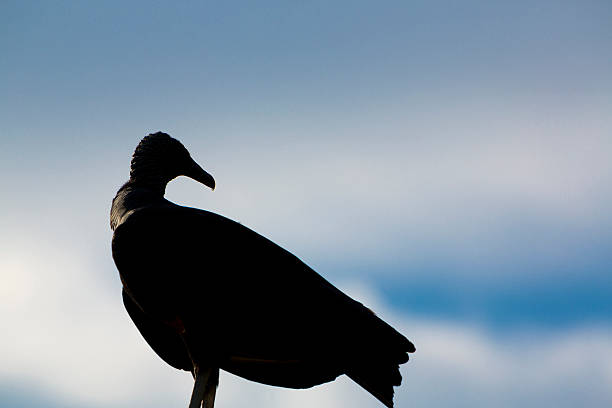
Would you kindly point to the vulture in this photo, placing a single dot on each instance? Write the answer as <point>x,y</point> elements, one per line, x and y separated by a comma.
<point>210,294</point>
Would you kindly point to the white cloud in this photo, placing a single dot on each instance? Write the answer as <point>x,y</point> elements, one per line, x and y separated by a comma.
<point>392,185</point>
<point>479,189</point>
<point>71,338</point>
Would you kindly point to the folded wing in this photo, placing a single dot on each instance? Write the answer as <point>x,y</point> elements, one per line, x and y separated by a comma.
<point>247,304</point>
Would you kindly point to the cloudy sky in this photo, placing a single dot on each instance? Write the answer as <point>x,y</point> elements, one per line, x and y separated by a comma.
<point>447,163</point>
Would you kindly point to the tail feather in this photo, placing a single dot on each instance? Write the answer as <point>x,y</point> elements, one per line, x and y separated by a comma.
<point>377,367</point>
<point>378,380</point>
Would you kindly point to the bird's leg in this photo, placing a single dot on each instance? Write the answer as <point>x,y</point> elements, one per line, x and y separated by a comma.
<point>211,389</point>
<point>206,381</point>
<point>202,376</point>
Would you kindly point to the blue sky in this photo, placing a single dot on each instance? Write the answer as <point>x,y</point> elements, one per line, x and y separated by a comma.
<point>448,162</point>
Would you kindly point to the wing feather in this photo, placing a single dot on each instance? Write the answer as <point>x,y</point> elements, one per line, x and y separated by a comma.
<point>246,300</point>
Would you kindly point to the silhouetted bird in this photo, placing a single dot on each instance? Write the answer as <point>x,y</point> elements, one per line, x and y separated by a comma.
<point>207,293</point>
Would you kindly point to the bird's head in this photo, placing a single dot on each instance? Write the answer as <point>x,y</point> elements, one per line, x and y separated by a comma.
<point>159,158</point>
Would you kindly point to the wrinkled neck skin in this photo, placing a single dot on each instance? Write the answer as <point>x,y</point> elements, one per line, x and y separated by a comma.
<point>137,193</point>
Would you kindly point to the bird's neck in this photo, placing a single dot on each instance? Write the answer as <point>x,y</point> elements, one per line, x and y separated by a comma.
<point>151,185</point>
<point>133,195</point>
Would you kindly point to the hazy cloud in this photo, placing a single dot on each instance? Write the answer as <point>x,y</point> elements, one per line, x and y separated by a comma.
<point>91,355</point>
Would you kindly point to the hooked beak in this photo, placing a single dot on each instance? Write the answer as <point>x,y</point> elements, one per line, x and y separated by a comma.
<point>198,174</point>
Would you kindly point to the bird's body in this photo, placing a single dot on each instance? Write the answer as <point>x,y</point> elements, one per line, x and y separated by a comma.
<point>206,291</point>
